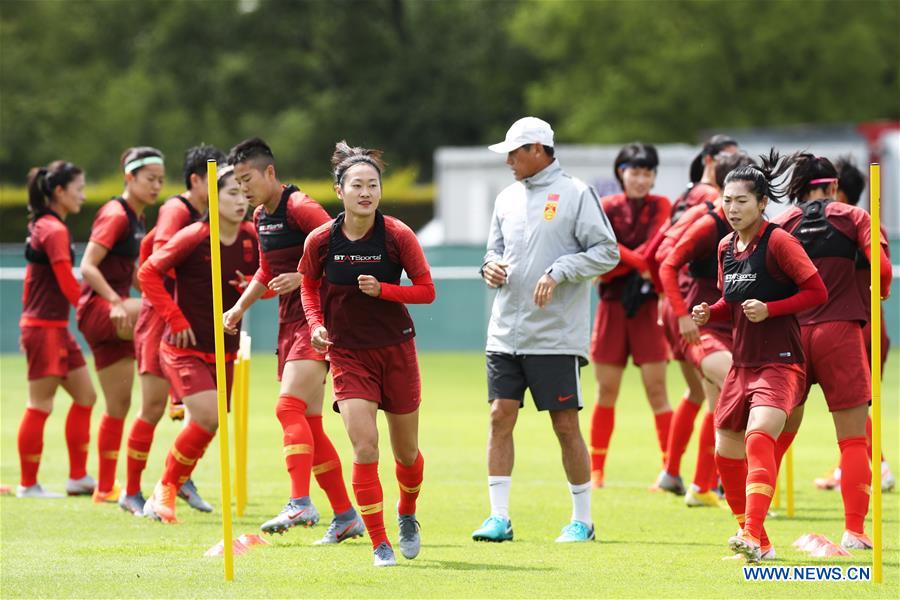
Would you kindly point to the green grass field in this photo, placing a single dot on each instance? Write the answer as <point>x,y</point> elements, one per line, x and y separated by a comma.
<point>649,544</point>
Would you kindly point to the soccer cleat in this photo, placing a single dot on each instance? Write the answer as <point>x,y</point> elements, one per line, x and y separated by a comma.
<point>410,542</point>
<point>384,556</point>
<point>343,529</point>
<point>670,483</point>
<point>35,491</point>
<point>161,505</point>
<point>298,511</point>
<point>133,503</point>
<point>831,480</point>
<point>695,497</point>
<point>887,478</point>
<point>110,496</point>
<point>576,531</point>
<point>188,492</point>
<point>767,552</point>
<point>746,546</point>
<point>176,409</point>
<point>84,486</point>
<point>856,541</point>
<point>494,529</point>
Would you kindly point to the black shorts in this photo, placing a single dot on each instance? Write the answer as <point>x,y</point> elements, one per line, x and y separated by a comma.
<point>553,379</point>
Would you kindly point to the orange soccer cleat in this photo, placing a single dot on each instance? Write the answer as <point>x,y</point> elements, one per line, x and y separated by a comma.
<point>161,505</point>
<point>111,496</point>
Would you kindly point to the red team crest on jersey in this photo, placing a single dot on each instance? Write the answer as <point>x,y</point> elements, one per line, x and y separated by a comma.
<point>550,206</point>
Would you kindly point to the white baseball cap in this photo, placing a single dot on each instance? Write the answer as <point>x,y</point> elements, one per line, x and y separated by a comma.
<point>527,130</point>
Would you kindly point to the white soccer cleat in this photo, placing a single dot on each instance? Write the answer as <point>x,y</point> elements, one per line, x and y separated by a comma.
<point>35,491</point>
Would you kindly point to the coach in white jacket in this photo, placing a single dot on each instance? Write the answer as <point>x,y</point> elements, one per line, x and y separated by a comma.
<point>549,238</point>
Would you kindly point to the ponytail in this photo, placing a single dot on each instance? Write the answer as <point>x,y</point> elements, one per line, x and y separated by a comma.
<point>42,181</point>
<point>810,173</point>
<point>761,178</point>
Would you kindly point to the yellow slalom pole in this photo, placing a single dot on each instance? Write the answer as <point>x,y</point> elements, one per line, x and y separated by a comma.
<point>875,320</point>
<point>237,408</point>
<point>776,495</point>
<point>789,480</point>
<point>221,385</point>
<point>245,414</point>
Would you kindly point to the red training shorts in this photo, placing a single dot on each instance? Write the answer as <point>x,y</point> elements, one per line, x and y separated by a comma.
<point>615,337</point>
<point>777,385</point>
<point>50,351</point>
<point>711,341</point>
<point>836,360</point>
<point>388,376</point>
<point>189,374</point>
<point>100,333</point>
<point>670,328</point>
<point>885,342</point>
<point>294,344</point>
<point>148,334</point>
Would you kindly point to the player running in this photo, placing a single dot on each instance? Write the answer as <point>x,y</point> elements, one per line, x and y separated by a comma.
<point>175,214</point>
<point>627,319</point>
<point>766,279</point>
<point>106,314</point>
<point>187,352</point>
<point>53,356</point>
<point>284,217</point>
<point>361,321</point>
<point>833,234</point>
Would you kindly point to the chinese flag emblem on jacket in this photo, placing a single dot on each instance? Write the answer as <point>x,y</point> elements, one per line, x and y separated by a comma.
<point>550,206</point>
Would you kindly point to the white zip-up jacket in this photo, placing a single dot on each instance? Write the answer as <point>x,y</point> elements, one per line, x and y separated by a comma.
<point>548,223</point>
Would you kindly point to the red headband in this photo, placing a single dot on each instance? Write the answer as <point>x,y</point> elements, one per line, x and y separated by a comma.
<point>824,180</point>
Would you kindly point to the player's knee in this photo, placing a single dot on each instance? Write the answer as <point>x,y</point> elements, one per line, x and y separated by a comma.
<point>365,451</point>
<point>88,398</point>
<point>288,409</point>
<point>41,404</point>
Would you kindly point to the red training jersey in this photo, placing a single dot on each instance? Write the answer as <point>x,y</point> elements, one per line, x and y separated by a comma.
<point>354,319</point>
<point>188,253</point>
<point>50,286</point>
<point>282,235</point>
<point>118,229</point>
<point>635,223</point>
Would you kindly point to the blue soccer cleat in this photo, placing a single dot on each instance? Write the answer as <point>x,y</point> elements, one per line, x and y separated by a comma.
<point>576,531</point>
<point>494,529</point>
<point>384,556</point>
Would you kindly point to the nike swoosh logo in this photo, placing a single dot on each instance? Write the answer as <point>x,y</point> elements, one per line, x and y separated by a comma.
<point>344,532</point>
<point>565,398</point>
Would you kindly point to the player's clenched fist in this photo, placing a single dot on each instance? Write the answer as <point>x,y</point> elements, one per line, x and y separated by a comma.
<point>700,314</point>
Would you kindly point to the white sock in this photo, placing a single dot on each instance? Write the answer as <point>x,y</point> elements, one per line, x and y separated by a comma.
<point>498,489</point>
<point>581,502</point>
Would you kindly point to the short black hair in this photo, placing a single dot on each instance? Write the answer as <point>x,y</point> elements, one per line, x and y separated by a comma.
<point>548,150</point>
<point>635,154</point>
<point>851,180</point>
<point>253,149</point>
<point>195,161</point>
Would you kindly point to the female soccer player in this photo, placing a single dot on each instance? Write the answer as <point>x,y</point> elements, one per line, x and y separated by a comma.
<point>284,217</point>
<point>688,275</point>
<point>833,233</point>
<point>106,314</point>
<point>626,323</point>
<point>761,267</point>
<point>174,215</point>
<point>187,353</point>
<point>361,321</point>
<point>54,358</point>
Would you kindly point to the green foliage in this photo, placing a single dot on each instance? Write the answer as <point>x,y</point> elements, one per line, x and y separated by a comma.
<point>649,544</point>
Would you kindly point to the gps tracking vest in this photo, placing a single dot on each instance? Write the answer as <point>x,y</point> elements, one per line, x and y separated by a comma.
<point>774,340</point>
<point>708,266</point>
<point>130,243</point>
<point>40,257</point>
<point>819,237</point>
<point>355,319</point>
<point>274,232</point>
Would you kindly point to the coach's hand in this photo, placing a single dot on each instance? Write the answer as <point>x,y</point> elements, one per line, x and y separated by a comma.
<point>119,316</point>
<point>319,339</point>
<point>755,310</point>
<point>543,291</point>
<point>183,339</point>
<point>369,286</point>
<point>700,314</point>
<point>285,283</point>
<point>688,329</point>
<point>494,273</point>
<point>231,319</point>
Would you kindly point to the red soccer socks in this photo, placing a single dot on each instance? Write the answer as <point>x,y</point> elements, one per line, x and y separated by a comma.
<point>680,434</point>
<point>602,422</point>
<point>140,438</point>
<point>761,475</point>
<point>410,481</point>
<point>188,448</point>
<point>705,475</point>
<point>298,442</point>
<point>856,479</point>
<point>326,466</point>
<point>109,439</point>
<point>78,437</point>
<point>370,501</point>
<point>31,444</point>
<point>663,421</point>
